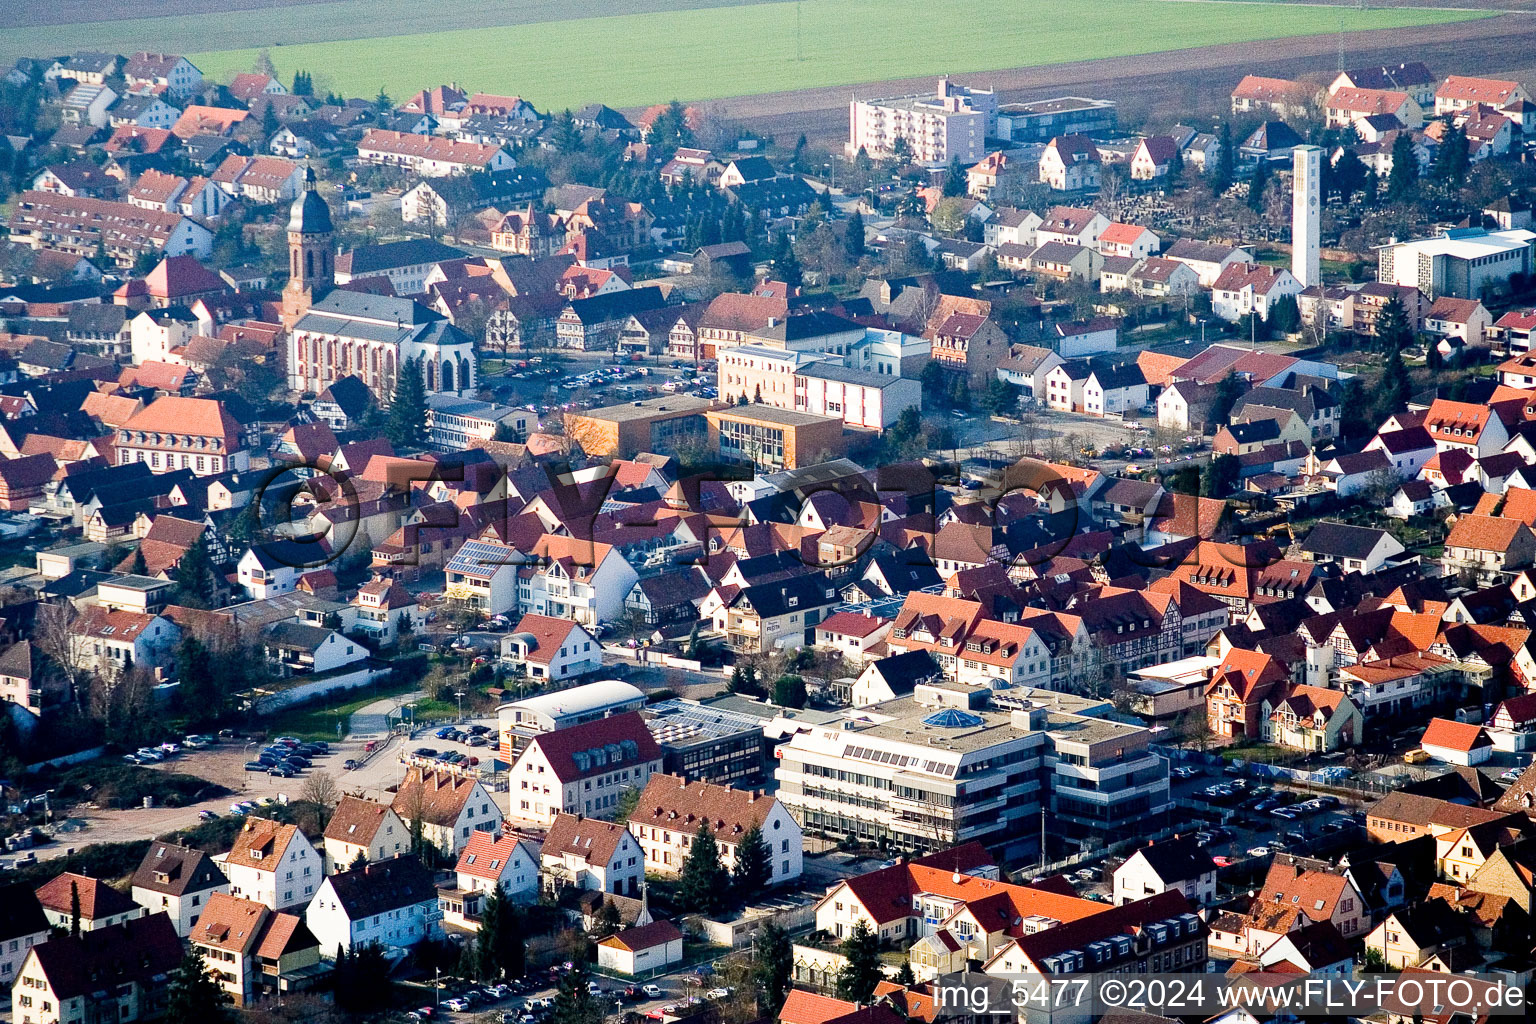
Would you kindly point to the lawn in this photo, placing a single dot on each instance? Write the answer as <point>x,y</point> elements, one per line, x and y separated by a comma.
<point>317,720</point>
<point>634,59</point>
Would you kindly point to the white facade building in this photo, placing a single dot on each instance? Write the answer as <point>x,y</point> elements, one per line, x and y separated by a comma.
<point>1306,215</point>
<point>273,864</point>
<point>393,903</point>
<point>672,810</point>
<point>953,122</point>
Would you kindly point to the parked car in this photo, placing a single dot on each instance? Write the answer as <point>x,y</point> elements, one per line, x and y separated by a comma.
<point>457,1005</point>
<point>652,991</point>
<point>207,815</point>
<point>424,752</point>
<point>1259,851</point>
<point>283,771</point>
<point>258,766</point>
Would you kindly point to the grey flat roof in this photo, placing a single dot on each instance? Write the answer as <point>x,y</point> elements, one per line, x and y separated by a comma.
<point>676,404</point>
<point>771,414</point>
<point>849,375</point>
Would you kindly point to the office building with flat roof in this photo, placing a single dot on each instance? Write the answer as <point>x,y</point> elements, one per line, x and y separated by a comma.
<point>924,774</point>
<point>1043,120</point>
<point>659,425</point>
<point>772,439</point>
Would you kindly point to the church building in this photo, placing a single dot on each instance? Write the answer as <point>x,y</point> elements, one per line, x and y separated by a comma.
<point>335,333</point>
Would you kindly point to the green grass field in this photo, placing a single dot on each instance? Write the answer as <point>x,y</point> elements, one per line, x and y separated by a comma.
<point>627,59</point>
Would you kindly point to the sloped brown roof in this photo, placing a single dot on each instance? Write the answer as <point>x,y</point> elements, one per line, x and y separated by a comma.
<point>593,840</point>
<point>261,843</point>
<point>672,802</point>
<point>176,870</point>
<point>97,898</point>
<point>229,923</point>
<point>356,820</point>
<point>440,795</point>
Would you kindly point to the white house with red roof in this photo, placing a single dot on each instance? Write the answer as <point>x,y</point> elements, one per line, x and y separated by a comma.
<point>1461,743</point>
<point>852,634</point>
<point>642,949</point>
<point>552,649</point>
<point>1346,105</point>
<point>431,156</point>
<point>1245,288</point>
<point>584,769</point>
<point>969,647</point>
<point>1468,426</point>
<point>672,810</point>
<point>382,606</point>
<point>105,640</point>
<point>1075,225</point>
<point>450,805</point>
<point>183,433</point>
<point>1131,240</point>
<point>1513,330</point>
<point>1070,163</point>
<point>1459,92</point>
<point>1466,319</point>
<point>1153,158</point>
<point>591,855</point>
<point>499,860</point>
<point>261,179</point>
<point>274,864</point>
<point>1512,726</point>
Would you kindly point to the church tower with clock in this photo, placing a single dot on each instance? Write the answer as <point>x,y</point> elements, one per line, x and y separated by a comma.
<point>311,252</point>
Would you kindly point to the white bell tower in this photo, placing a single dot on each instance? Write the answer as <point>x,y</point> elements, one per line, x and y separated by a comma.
<point>1306,215</point>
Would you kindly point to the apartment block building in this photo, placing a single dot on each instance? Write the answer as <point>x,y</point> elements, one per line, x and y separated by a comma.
<point>924,774</point>
<point>953,121</point>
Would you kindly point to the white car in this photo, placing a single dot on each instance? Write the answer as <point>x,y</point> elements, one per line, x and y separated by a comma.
<point>457,1005</point>
<point>651,991</point>
<point>1259,851</point>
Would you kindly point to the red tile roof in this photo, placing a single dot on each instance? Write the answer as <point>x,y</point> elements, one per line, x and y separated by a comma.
<point>560,747</point>
<point>1495,91</point>
<point>1462,736</point>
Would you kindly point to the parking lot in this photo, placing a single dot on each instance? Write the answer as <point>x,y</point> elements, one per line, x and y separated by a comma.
<point>1264,816</point>
<point>530,999</point>
<point>546,385</point>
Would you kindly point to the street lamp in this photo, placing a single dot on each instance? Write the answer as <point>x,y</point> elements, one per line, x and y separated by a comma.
<point>1202,332</point>
<point>245,781</point>
<point>460,695</point>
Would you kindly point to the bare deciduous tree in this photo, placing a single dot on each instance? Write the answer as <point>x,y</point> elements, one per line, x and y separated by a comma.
<point>321,789</point>
<point>53,635</point>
